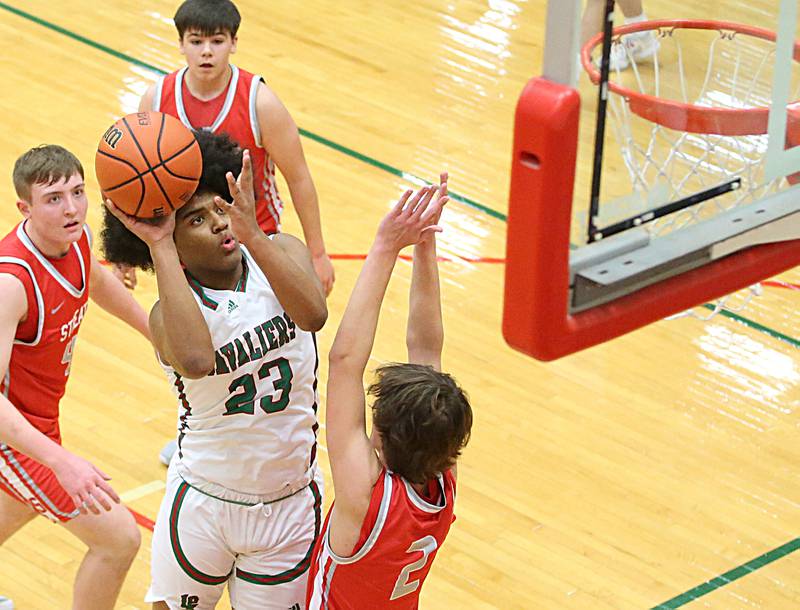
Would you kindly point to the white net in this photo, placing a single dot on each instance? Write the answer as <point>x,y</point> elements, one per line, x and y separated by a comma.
<point>736,73</point>
<point>705,68</point>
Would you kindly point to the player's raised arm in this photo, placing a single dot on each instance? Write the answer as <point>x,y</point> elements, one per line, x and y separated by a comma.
<point>178,329</point>
<point>348,446</point>
<point>283,259</point>
<point>425,332</point>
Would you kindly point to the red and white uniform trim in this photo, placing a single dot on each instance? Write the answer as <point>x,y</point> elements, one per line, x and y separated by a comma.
<point>398,541</point>
<point>238,118</point>
<point>57,292</point>
<point>33,483</point>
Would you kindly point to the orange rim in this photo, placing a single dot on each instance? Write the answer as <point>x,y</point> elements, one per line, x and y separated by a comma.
<point>678,115</point>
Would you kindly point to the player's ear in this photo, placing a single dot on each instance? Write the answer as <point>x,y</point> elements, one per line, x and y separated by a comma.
<point>233,45</point>
<point>24,207</point>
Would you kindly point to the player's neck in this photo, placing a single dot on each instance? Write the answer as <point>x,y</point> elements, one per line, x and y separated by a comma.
<point>205,89</point>
<point>428,492</point>
<point>421,489</point>
<point>50,248</point>
<point>218,280</point>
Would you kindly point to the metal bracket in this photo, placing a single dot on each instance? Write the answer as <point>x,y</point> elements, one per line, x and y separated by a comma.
<point>772,219</point>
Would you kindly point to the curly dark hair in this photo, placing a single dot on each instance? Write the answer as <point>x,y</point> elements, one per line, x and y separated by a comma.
<point>424,419</point>
<point>220,156</point>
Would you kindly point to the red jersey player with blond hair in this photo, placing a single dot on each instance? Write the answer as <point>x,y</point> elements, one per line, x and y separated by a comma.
<point>394,488</point>
<point>47,274</point>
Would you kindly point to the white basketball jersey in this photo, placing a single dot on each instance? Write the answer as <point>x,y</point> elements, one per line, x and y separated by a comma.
<point>250,426</point>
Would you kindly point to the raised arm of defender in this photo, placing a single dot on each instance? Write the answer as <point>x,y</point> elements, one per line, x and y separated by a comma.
<point>425,332</point>
<point>353,461</point>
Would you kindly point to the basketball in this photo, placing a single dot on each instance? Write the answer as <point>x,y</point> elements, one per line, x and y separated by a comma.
<point>148,164</point>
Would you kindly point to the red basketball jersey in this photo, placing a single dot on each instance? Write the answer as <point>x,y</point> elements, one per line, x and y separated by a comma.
<point>57,291</point>
<point>397,544</point>
<point>232,112</point>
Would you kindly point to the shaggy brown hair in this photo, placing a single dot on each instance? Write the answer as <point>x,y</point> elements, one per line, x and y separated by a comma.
<point>424,419</point>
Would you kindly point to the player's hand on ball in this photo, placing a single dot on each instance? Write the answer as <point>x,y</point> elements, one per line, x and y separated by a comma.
<point>150,231</point>
<point>242,210</point>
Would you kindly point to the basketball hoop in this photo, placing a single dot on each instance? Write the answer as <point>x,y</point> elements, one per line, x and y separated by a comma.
<point>683,115</point>
<point>558,299</point>
<point>689,122</point>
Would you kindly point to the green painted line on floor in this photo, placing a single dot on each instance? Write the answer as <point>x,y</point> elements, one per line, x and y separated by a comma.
<point>756,326</point>
<point>728,577</point>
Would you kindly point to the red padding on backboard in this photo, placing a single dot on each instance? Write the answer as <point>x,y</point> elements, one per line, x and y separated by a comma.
<point>540,206</point>
<point>535,316</point>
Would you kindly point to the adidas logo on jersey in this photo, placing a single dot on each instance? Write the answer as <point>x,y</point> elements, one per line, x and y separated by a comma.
<point>295,607</point>
<point>232,306</point>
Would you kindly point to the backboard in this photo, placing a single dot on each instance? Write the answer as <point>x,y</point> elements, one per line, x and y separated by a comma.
<point>656,180</point>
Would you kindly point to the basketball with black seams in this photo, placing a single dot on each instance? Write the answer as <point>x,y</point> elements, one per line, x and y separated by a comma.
<point>148,164</point>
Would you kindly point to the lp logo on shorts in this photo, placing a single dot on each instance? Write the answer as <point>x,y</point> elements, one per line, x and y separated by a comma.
<point>189,601</point>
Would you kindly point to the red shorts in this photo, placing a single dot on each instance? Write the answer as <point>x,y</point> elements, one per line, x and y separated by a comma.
<point>34,484</point>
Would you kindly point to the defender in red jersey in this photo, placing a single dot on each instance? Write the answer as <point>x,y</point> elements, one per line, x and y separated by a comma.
<point>211,93</point>
<point>47,274</point>
<point>394,489</point>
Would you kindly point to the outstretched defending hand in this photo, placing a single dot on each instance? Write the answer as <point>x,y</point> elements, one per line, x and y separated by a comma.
<point>412,218</point>
<point>150,232</point>
<point>429,237</point>
<point>85,483</point>
<point>242,210</point>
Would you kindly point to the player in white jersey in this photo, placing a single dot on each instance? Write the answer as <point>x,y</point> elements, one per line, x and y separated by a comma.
<point>234,332</point>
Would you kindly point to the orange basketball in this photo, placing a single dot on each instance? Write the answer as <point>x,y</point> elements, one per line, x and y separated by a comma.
<point>148,164</point>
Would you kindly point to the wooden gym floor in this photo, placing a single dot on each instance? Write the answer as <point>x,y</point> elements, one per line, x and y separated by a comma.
<point>624,477</point>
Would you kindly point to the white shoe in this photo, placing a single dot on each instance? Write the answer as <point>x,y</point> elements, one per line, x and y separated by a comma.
<point>619,61</point>
<point>641,46</point>
<point>6,604</point>
<point>165,457</point>
<point>619,57</point>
